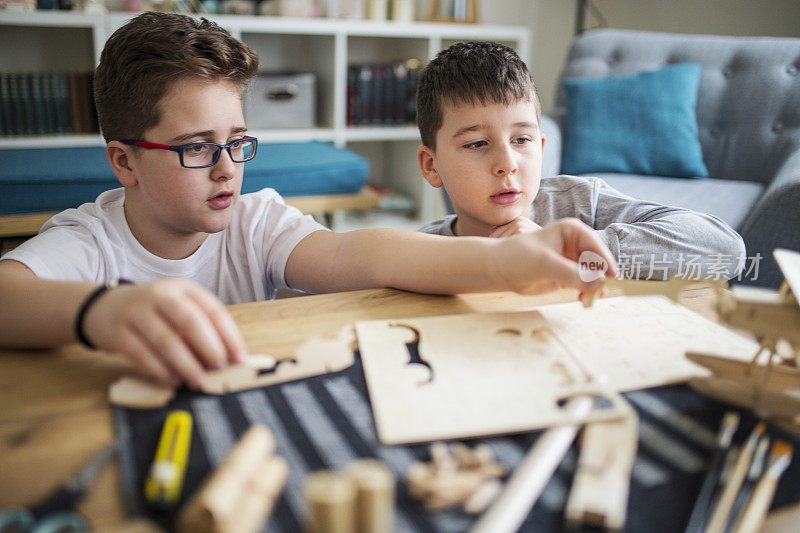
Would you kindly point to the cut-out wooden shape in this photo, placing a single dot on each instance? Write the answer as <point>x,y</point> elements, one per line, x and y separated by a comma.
<point>671,288</point>
<point>139,393</point>
<point>456,475</point>
<point>313,357</point>
<point>414,358</point>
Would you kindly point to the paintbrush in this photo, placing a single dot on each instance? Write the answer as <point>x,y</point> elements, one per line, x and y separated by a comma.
<point>709,488</point>
<point>753,517</point>
<point>722,509</point>
<point>756,469</point>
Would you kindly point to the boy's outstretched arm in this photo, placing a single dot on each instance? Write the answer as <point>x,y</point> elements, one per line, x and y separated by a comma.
<point>172,329</point>
<point>528,263</point>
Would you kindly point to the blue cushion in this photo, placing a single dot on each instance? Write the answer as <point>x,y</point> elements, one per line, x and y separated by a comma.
<point>295,169</point>
<point>640,124</point>
<point>52,179</point>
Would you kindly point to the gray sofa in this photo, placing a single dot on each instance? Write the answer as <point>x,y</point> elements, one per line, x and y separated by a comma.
<point>748,115</point>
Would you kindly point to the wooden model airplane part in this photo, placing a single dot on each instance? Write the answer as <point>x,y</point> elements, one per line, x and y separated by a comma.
<point>775,378</point>
<point>777,406</point>
<point>671,288</point>
<point>313,357</point>
<point>771,388</point>
<point>769,315</point>
<point>600,486</point>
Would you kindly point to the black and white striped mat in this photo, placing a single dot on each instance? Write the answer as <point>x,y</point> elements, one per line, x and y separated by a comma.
<point>326,422</point>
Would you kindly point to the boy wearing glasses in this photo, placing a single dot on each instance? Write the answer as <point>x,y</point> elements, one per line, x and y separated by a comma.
<point>168,91</point>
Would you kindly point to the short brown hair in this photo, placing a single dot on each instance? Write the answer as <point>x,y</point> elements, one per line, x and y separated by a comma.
<point>468,73</point>
<point>143,58</point>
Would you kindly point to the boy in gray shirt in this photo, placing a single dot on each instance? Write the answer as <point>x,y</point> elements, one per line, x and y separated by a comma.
<point>478,116</point>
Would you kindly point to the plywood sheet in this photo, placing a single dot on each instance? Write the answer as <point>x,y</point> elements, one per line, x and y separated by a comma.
<point>469,375</point>
<point>640,342</point>
<point>481,374</point>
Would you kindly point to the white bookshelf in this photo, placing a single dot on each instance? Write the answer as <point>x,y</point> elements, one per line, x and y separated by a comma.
<point>324,47</point>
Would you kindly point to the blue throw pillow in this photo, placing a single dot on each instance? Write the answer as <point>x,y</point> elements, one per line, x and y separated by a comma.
<point>641,124</point>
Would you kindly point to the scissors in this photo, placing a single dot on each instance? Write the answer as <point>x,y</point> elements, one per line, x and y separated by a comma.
<point>56,513</point>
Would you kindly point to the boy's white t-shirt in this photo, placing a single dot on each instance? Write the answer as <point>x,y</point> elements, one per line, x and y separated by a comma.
<point>243,263</point>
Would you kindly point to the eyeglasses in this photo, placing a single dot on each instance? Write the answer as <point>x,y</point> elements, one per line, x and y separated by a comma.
<point>202,155</point>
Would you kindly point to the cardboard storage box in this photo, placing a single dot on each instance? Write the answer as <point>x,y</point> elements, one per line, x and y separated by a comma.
<point>281,101</point>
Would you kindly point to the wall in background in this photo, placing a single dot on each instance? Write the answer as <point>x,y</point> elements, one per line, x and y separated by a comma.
<point>552,23</point>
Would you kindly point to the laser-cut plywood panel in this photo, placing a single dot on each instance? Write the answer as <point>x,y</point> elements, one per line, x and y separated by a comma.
<point>469,375</point>
<point>639,342</point>
<point>482,374</point>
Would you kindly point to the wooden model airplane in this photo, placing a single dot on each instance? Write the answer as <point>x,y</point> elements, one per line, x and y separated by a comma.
<point>771,387</point>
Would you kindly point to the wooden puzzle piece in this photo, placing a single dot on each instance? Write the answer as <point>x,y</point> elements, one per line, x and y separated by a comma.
<point>313,357</point>
<point>139,393</point>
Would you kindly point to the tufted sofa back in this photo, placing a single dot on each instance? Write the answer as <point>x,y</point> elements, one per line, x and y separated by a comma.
<point>748,108</point>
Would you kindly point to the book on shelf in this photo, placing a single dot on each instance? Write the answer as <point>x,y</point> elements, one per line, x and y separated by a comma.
<point>46,103</point>
<point>381,94</point>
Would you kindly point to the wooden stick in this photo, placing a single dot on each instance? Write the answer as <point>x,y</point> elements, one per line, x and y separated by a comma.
<point>600,486</point>
<point>529,479</point>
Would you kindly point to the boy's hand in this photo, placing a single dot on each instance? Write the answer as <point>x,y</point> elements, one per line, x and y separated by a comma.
<point>515,227</point>
<point>172,329</point>
<point>546,260</point>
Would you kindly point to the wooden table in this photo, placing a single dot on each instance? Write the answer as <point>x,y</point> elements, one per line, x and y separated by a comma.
<point>55,415</point>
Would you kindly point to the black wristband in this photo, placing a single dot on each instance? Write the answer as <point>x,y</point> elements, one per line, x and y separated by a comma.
<point>87,303</point>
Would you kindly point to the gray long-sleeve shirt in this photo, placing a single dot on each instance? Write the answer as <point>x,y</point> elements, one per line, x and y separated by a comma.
<point>648,240</point>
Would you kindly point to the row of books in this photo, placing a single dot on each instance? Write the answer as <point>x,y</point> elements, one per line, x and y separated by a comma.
<point>46,103</point>
<point>381,93</point>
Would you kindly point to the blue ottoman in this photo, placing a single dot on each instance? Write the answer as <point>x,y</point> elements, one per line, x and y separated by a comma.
<point>52,179</point>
